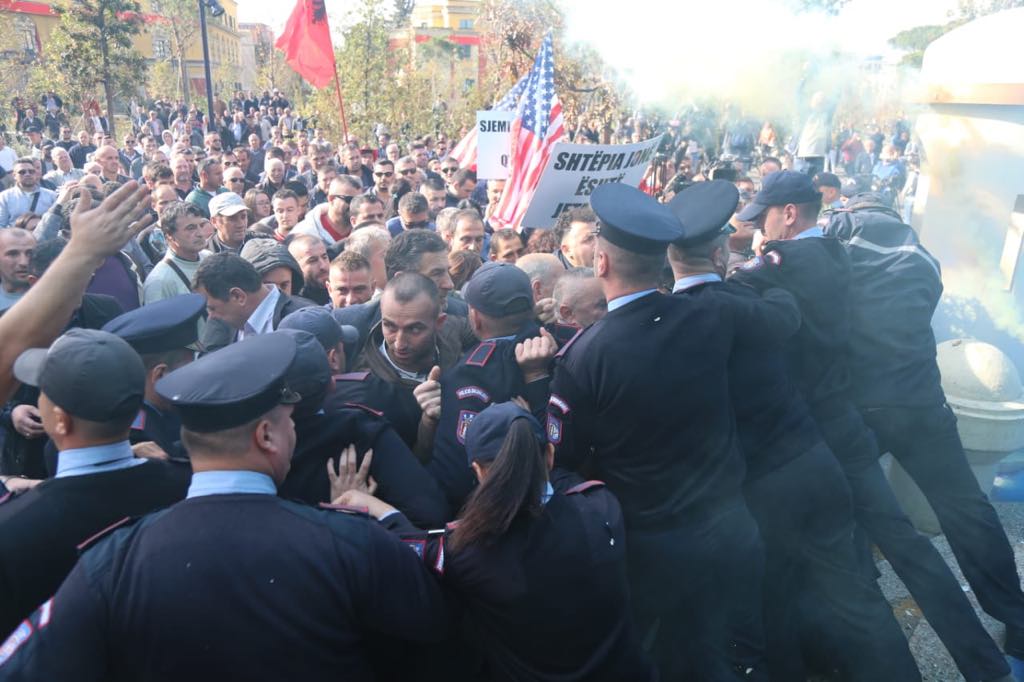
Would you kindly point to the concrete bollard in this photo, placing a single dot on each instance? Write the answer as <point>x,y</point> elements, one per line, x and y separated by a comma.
<point>984,390</point>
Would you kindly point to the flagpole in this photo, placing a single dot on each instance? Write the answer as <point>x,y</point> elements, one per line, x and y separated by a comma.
<point>341,102</point>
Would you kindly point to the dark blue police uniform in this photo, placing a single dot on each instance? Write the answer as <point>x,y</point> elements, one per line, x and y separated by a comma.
<point>794,487</point>
<point>168,325</point>
<point>816,270</point>
<point>234,582</point>
<point>895,287</point>
<point>641,400</point>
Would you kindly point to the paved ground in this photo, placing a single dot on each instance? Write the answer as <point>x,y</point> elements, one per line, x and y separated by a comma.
<point>932,657</point>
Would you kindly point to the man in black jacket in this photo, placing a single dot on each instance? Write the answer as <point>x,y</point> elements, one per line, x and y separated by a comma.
<point>239,304</point>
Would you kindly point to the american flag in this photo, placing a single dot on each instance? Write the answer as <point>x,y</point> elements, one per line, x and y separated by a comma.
<point>465,151</point>
<point>537,127</point>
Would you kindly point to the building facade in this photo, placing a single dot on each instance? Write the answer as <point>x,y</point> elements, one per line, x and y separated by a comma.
<point>444,43</point>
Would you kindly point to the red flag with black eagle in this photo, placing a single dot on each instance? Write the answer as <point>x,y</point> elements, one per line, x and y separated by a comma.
<point>306,42</point>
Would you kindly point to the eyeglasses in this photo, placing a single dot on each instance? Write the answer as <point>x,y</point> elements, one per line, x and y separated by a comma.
<point>347,200</point>
<point>386,174</point>
<point>408,171</point>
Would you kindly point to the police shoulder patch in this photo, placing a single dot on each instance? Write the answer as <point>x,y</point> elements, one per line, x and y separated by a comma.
<point>584,487</point>
<point>554,429</point>
<point>352,376</point>
<point>365,408</point>
<point>473,392</point>
<point>773,258</point>
<point>559,402</point>
<point>89,542</point>
<point>466,417</point>
<point>481,354</point>
<point>418,545</point>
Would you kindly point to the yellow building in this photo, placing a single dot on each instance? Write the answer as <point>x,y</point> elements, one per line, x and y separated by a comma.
<point>445,45</point>
<point>32,22</point>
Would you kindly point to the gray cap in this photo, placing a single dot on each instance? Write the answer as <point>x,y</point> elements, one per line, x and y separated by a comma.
<point>90,374</point>
<point>499,290</point>
<point>227,203</point>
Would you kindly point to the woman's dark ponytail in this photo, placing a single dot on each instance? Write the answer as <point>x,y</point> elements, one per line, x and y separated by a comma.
<point>513,485</point>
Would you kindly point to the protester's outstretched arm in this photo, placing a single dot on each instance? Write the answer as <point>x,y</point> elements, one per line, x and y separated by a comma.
<point>42,313</point>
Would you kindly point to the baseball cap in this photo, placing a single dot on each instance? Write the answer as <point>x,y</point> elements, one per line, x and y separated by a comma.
<point>499,290</point>
<point>778,189</point>
<point>485,435</point>
<point>227,203</point>
<point>90,374</point>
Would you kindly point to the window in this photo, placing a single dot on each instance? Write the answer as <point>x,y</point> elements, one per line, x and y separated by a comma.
<point>465,51</point>
<point>465,24</point>
<point>161,48</point>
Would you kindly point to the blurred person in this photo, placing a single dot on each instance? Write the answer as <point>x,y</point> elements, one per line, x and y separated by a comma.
<point>311,254</point>
<point>332,221</point>
<point>26,196</point>
<point>461,266</point>
<point>460,185</point>
<point>350,280</point>
<point>434,192</point>
<point>406,169</point>
<point>365,208</point>
<point>543,269</point>
<point>542,241</point>
<point>211,183</point>
<point>579,299</point>
<point>372,243</point>
<point>413,214</point>
<point>506,246</point>
<point>275,265</point>
<point>576,230</point>
<point>16,247</point>
<point>63,170</point>
<point>258,203</point>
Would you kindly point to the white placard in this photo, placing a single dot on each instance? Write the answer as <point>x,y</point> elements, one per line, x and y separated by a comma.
<point>493,141</point>
<point>574,170</point>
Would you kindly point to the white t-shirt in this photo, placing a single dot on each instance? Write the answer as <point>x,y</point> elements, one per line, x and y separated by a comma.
<point>7,158</point>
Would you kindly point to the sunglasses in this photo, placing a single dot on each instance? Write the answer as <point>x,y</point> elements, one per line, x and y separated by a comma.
<point>408,171</point>
<point>386,174</point>
<point>236,179</point>
<point>347,200</point>
<point>450,169</point>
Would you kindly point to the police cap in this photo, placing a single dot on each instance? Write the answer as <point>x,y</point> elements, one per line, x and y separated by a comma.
<point>166,325</point>
<point>310,373</point>
<point>633,220</point>
<point>486,433</point>
<point>778,189</point>
<point>90,374</point>
<point>499,289</point>
<point>704,209</point>
<point>232,386</point>
<point>322,324</point>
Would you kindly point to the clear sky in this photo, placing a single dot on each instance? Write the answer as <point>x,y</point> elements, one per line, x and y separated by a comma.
<point>644,39</point>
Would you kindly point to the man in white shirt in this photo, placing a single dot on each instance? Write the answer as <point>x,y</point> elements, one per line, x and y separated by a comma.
<point>64,171</point>
<point>182,225</point>
<point>7,155</point>
<point>26,196</point>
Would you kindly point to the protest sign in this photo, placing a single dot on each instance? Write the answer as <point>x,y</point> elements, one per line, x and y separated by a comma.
<point>574,170</point>
<point>493,141</point>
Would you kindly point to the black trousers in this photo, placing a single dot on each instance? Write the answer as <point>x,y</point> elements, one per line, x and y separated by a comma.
<point>927,445</point>
<point>805,514</point>
<point>912,556</point>
<point>695,590</point>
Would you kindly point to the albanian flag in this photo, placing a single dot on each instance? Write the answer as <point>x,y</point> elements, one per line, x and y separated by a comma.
<point>306,42</point>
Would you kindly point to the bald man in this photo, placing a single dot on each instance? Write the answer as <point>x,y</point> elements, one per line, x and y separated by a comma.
<point>110,164</point>
<point>544,270</point>
<point>16,247</point>
<point>579,299</point>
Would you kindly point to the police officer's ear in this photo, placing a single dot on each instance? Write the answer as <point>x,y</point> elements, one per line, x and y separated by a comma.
<point>156,373</point>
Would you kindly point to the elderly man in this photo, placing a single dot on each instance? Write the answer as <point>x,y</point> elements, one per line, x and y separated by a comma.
<point>579,299</point>
<point>26,196</point>
<point>64,171</point>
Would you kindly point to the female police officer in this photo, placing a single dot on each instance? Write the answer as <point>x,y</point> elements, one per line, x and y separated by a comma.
<point>538,564</point>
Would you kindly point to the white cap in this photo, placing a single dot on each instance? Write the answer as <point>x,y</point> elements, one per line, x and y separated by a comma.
<point>227,203</point>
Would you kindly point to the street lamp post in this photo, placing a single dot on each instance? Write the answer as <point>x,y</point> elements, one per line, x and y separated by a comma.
<point>216,10</point>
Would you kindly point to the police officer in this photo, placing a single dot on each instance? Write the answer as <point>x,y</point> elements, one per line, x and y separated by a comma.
<point>816,270</point>
<point>320,437</point>
<point>641,398</point>
<point>161,333</point>
<point>794,487</point>
<point>91,387</point>
<point>233,582</point>
<point>897,388</point>
<point>538,564</point>
<point>512,360</point>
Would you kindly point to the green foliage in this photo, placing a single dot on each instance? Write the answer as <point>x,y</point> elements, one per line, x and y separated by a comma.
<point>972,9</point>
<point>91,50</point>
<point>915,40</point>
<point>180,25</point>
<point>832,7</point>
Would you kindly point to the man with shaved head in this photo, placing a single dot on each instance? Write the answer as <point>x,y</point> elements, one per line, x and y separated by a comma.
<point>579,300</point>
<point>110,162</point>
<point>16,247</point>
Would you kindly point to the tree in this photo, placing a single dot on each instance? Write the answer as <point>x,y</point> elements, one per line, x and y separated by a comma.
<point>915,40</point>
<point>180,20</point>
<point>92,48</point>
<point>832,7</point>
